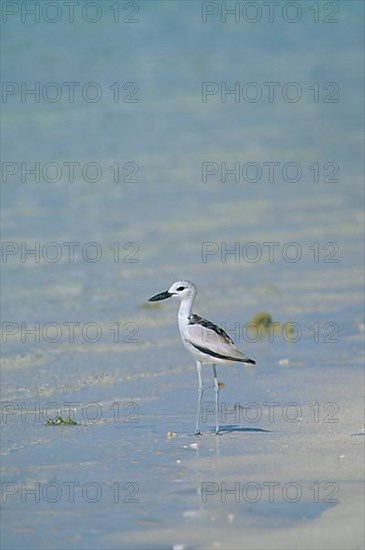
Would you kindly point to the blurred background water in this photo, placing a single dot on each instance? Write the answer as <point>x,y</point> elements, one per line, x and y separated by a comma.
<point>151,224</point>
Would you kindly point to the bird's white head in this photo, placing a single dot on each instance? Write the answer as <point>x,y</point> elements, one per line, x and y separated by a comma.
<point>181,290</point>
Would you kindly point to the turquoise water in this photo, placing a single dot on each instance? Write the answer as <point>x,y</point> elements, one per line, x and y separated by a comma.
<point>158,220</point>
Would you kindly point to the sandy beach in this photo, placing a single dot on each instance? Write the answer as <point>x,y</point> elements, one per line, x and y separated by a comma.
<point>165,165</point>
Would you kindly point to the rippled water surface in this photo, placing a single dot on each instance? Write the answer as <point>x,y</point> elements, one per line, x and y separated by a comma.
<point>282,234</point>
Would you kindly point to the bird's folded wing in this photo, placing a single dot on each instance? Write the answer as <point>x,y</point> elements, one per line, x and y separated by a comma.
<point>214,341</point>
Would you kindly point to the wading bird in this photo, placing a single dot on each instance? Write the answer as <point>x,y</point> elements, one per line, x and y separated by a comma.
<point>208,343</point>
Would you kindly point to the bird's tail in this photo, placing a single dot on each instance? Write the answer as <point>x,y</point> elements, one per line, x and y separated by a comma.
<point>249,365</point>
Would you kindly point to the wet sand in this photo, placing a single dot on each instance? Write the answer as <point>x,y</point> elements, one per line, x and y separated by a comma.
<point>287,469</point>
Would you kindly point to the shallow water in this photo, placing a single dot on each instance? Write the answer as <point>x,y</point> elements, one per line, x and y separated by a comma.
<point>135,383</point>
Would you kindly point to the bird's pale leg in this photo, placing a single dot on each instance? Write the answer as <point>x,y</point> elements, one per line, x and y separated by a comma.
<point>216,390</point>
<point>200,394</point>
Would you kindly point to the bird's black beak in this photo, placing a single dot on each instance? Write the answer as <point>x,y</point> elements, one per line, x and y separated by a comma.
<point>160,296</point>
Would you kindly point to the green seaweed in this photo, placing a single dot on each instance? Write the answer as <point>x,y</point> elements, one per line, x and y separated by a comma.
<point>59,421</point>
<point>263,318</point>
<point>264,324</point>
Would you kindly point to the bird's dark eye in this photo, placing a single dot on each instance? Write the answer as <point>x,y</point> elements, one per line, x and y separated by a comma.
<point>180,288</point>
